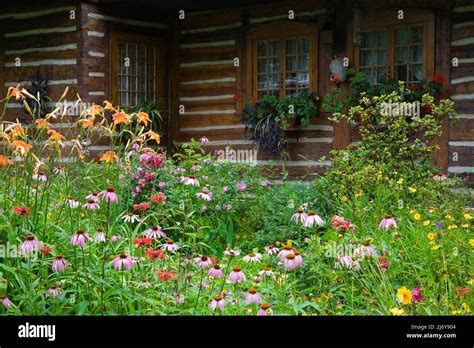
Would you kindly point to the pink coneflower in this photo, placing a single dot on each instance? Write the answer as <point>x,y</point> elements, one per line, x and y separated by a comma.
<point>109,195</point>
<point>30,244</point>
<point>237,276</point>
<point>241,186</point>
<point>40,176</point>
<point>144,284</point>
<point>5,301</point>
<point>195,166</point>
<point>73,203</point>
<point>440,176</point>
<point>53,291</point>
<point>170,245</point>
<point>299,216</point>
<point>217,302</point>
<point>387,222</point>
<point>290,262</point>
<point>190,180</point>
<point>123,262</point>
<point>266,272</point>
<point>203,262</point>
<point>265,310</point>
<point>203,140</point>
<point>99,236</point>
<point>231,252</point>
<point>58,170</point>
<point>94,196</point>
<point>348,262</point>
<point>79,238</point>
<point>416,295</point>
<point>161,185</point>
<point>338,223</point>
<point>227,207</point>
<point>253,297</point>
<point>130,218</point>
<point>215,272</point>
<point>272,250</point>
<point>298,258</point>
<point>205,194</point>
<point>225,189</point>
<point>264,183</point>
<point>312,218</point>
<point>59,264</point>
<point>287,249</point>
<point>253,257</point>
<point>366,251</point>
<point>91,204</point>
<point>155,232</point>
<point>114,238</point>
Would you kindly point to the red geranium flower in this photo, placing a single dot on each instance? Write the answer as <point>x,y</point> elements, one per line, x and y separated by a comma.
<point>235,97</point>
<point>413,86</point>
<point>438,78</point>
<point>254,100</point>
<point>20,211</point>
<point>335,78</point>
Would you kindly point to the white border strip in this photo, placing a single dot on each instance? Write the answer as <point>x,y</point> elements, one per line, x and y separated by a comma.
<point>285,16</point>
<point>209,44</point>
<point>461,143</point>
<point>206,63</point>
<point>462,42</point>
<point>310,140</point>
<point>50,83</point>
<point>211,29</point>
<point>461,169</point>
<point>95,74</point>
<point>203,98</point>
<point>44,62</point>
<point>208,128</point>
<point>464,9</point>
<point>96,93</point>
<point>42,49</point>
<point>199,82</point>
<point>469,96</point>
<point>95,33</point>
<point>463,25</point>
<point>321,127</point>
<point>96,54</point>
<point>466,116</point>
<point>209,112</point>
<point>40,13</point>
<point>462,80</point>
<point>126,21</point>
<point>295,163</point>
<point>465,60</point>
<point>41,31</point>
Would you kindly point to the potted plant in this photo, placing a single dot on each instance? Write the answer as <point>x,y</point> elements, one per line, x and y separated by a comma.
<point>268,118</point>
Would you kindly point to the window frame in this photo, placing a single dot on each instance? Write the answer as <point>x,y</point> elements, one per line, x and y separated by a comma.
<point>161,65</point>
<point>281,30</point>
<point>386,19</point>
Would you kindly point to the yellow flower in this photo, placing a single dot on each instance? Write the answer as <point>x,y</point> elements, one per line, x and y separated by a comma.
<point>467,216</point>
<point>430,236</point>
<point>400,181</point>
<point>436,247</point>
<point>465,306</point>
<point>412,189</point>
<point>465,225</point>
<point>109,157</point>
<point>449,217</point>
<point>404,295</point>
<point>452,227</point>
<point>426,223</point>
<point>471,242</point>
<point>417,216</point>
<point>344,199</point>
<point>142,117</point>
<point>431,211</point>
<point>455,312</point>
<point>397,311</point>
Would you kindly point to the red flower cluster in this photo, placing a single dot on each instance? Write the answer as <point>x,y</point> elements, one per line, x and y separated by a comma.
<point>235,97</point>
<point>21,211</point>
<point>254,100</point>
<point>413,86</point>
<point>45,250</point>
<point>335,78</point>
<point>141,241</point>
<point>155,255</point>
<point>382,263</point>
<point>462,292</point>
<point>438,78</point>
<point>165,276</point>
<point>158,198</point>
<point>142,206</point>
<point>427,109</point>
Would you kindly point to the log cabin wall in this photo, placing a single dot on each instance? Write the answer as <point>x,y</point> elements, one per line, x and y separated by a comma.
<point>461,131</point>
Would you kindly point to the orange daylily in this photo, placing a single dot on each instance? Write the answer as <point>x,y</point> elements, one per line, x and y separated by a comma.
<point>95,110</point>
<point>109,157</point>
<point>5,161</point>
<point>87,122</point>
<point>142,117</point>
<point>108,106</point>
<point>15,92</point>
<point>17,131</point>
<point>41,123</point>
<point>21,147</point>
<point>121,117</point>
<point>154,136</point>
<point>55,136</point>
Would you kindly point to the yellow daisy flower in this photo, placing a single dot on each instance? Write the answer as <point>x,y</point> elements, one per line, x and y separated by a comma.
<point>404,295</point>
<point>417,216</point>
<point>397,311</point>
<point>431,236</point>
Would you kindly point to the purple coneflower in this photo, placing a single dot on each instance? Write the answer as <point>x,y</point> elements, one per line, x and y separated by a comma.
<point>287,249</point>
<point>231,252</point>
<point>109,195</point>
<point>440,176</point>
<point>203,262</point>
<point>241,186</point>
<point>94,196</point>
<point>190,180</point>
<point>298,258</point>
<point>195,166</point>
<point>253,257</point>
<point>227,207</point>
<point>253,297</point>
<point>215,272</point>
<point>312,218</point>
<point>130,218</point>
<point>59,264</point>
<point>217,302</point>
<point>367,251</point>
<point>40,176</point>
<point>79,238</point>
<point>5,301</point>
<point>266,272</point>
<point>30,244</point>
<point>387,222</point>
<point>205,194</point>
<point>237,276</point>
<point>73,203</point>
<point>290,262</point>
<point>299,216</point>
<point>170,245</point>
<point>265,310</point>
<point>53,291</point>
<point>203,140</point>
<point>99,236</point>
<point>123,262</point>
<point>272,250</point>
<point>58,170</point>
<point>155,232</point>
<point>91,204</point>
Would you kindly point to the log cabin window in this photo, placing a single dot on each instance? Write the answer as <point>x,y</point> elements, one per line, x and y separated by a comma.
<point>397,49</point>
<point>137,69</point>
<point>283,61</point>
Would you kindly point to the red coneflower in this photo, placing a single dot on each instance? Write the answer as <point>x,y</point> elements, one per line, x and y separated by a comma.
<point>21,211</point>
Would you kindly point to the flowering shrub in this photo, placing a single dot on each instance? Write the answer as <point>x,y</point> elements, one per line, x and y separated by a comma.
<point>141,232</point>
